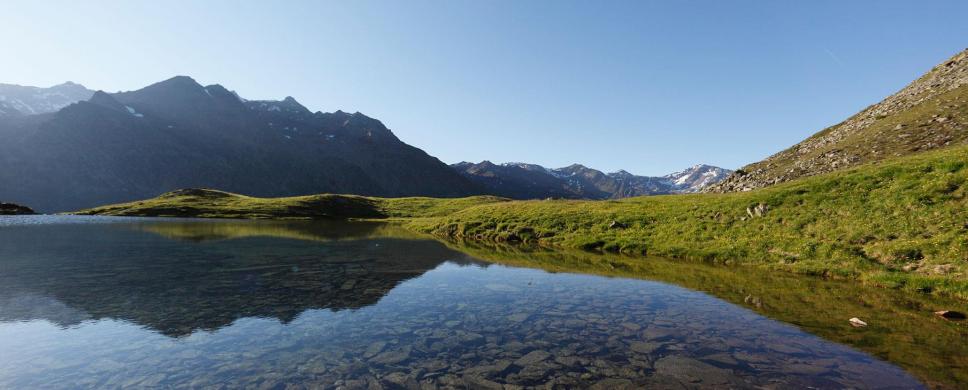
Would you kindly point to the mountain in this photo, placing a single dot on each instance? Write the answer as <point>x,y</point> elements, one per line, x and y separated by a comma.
<point>179,134</point>
<point>929,113</point>
<point>516,181</point>
<point>697,177</point>
<point>530,181</point>
<point>35,100</point>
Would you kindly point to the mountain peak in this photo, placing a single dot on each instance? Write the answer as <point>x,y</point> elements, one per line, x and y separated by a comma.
<point>621,174</point>
<point>178,82</point>
<point>287,105</point>
<point>574,167</point>
<point>69,85</point>
<point>178,87</point>
<point>104,99</point>
<point>291,103</point>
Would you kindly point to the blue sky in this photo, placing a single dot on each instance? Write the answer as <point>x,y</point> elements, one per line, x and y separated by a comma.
<point>646,86</point>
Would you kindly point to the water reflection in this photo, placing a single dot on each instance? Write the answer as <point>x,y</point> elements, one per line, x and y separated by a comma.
<point>74,273</point>
<point>295,304</point>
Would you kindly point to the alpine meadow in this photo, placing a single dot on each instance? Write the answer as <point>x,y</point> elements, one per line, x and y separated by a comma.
<point>540,195</point>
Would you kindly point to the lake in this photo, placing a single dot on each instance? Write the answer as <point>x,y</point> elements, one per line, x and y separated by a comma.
<point>96,302</point>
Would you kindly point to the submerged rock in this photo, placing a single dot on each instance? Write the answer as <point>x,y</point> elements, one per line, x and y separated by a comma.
<point>392,357</point>
<point>15,209</point>
<point>688,370</point>
<point>532,358</point>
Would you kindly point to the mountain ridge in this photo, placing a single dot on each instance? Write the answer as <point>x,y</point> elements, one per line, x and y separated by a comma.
<point>519,180</point>
<point>176,133</point>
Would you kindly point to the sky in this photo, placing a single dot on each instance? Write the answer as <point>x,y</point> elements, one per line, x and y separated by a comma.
<point>647,86</point>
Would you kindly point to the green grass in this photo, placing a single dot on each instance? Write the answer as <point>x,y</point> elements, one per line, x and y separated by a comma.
<point>900,224</point>
<point>202,203</point>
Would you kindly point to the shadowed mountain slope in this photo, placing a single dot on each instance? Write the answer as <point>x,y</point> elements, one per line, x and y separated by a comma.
<point>179,134</point>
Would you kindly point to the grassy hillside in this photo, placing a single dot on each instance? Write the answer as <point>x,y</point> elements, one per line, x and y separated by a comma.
<point>202,203</point>
<point>930,113</point>
<point>901,224</point>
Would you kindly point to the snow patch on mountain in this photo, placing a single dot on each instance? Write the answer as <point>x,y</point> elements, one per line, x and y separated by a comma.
<point>35,100</point>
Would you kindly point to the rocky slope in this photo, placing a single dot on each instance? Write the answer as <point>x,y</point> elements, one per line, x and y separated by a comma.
<point>28,100</point>
<point>530,181</point>
<point>179,134</point>
<point>930,113</point>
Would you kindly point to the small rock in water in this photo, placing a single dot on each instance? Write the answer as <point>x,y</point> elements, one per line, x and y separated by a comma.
<point>518,317</point>
<point>950,314</point>
<point>857,322</point>
<point>643,347</point>
<point>476,382</point>
<point>532,358</point>
<point>374,349</point>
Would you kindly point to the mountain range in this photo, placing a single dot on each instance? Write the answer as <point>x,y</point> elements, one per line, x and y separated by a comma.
<point>531,181</point>
<point>68,147</point>
<point>61,151</point>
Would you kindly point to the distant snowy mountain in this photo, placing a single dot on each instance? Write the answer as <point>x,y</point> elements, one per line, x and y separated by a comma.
<point>530,181</point>
<point>697,177</point>
<point>36,100</point>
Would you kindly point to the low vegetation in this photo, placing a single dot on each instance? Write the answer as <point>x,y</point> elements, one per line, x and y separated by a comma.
<point>902,223</point>
<point>202,203</point>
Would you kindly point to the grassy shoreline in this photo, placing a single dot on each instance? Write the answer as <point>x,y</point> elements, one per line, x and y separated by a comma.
<point>903,328</point>
<point>899,224</point>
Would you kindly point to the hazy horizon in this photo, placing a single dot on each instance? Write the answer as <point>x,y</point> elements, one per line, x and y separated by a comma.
<point>646,87</point>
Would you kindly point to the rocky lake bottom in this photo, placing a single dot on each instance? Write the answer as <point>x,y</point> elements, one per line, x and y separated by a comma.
<point>120,303</point>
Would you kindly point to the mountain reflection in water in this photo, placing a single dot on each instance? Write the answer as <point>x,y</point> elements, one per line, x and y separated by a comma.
<point>176,303</point>
<point>176,289</point>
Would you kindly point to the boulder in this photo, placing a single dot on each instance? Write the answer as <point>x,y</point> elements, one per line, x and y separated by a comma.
<point>617,225</point>
<point>950,314</point>
<point>857,322</point>
<point>757,211</point>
